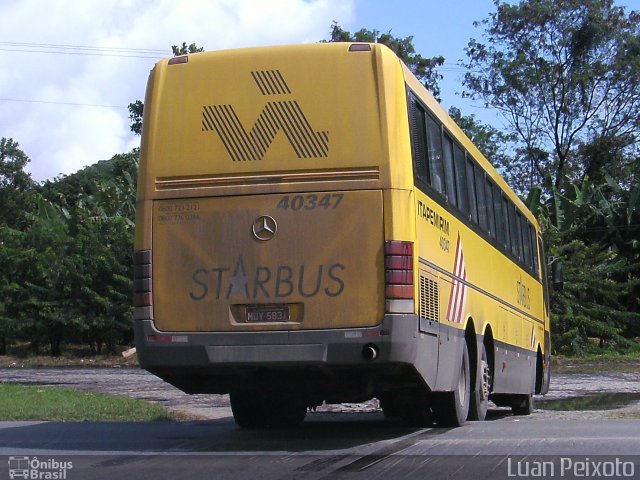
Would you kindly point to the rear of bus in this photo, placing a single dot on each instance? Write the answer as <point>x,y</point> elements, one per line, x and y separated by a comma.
<point>273,244</point>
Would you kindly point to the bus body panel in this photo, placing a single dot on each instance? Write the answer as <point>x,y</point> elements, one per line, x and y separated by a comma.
<point>475,282</point>
<point>316,262</point>
<point>267,111</point>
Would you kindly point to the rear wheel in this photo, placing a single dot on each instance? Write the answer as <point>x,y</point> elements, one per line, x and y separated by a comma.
<point>480,396</point>
<point>248,410</point>
<point>253,410</point>
<point>450,409</point>
<point>391,406</point>
<point>522,404</point>
<point>417,412</point>
<point>285,413</point>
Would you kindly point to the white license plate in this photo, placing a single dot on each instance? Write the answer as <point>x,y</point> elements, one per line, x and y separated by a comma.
<point>267,313</point>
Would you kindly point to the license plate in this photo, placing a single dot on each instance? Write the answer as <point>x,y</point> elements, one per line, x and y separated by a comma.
<point>267,313</point>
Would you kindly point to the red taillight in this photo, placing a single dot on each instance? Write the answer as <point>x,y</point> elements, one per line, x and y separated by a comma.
<point>393,247</point>
<point>141,299</point>
<point>142,287</point>
<point>398,277</point>
<point>398,266</point>
<point>159,338</point>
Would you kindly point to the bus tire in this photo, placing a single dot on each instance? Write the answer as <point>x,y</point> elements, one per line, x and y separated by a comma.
<point>417,412</point>
<point>286,414</point>
<point>391,406</point>
<point>450,409</point>
<point>479,400</point>
<point>248,410</point>
<point>522,404</point>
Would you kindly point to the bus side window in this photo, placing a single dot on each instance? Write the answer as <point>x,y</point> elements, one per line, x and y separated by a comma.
<point>447,156</point>
<point>461,180</point>
<point>471,189</point>
<point>514,231</point>
<point>499,217</point>
<point>436,166</point>
<point>419,140</point>
<point>490,206</point>
<point>482,204</point>
<point>505,216</point>
<point>534,248</point>
<point>526,250</point>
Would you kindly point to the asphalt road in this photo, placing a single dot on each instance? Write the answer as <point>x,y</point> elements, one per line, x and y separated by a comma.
<point>347,441</point>
<point>326,446</point>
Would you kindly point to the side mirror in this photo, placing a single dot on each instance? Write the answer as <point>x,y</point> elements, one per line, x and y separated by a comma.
<point>557,274</point>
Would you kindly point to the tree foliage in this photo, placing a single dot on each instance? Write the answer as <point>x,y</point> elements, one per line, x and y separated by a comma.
<point>595,231</point>
<point>65,271</point>
<point>563,73</point>
<point>15,183</point>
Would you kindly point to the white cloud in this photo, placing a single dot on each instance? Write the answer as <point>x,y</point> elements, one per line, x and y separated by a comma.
<point>63,138</point>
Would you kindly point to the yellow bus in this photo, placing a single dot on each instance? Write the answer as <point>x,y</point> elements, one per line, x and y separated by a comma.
<point>313,227</point>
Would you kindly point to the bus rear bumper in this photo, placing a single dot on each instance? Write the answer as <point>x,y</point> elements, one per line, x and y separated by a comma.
<point>221,362</point>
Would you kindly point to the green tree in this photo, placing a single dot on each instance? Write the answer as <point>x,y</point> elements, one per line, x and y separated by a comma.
<point>16,200</point>
<point>136,111</point>
<point>596,234</point>
<point>425,69</point>
<point>14,263</point>
<point>562,73</point>
<point>15,183</point>
<point>593,302</point>
<point>97,207</point>
<point>185,49</point>
<point>66,272</point>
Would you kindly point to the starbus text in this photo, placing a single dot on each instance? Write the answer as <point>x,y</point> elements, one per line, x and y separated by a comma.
<point>281,281</point>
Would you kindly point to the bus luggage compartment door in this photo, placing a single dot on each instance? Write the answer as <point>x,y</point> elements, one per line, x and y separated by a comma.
<point>268,262</point>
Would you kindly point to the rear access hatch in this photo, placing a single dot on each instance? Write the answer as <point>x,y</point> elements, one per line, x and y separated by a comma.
<point>268,262</point>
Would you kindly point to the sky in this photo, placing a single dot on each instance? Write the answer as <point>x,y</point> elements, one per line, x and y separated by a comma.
<point>70,67</point>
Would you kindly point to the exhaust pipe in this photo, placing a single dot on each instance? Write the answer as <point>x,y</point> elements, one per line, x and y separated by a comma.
<point>370,352</point>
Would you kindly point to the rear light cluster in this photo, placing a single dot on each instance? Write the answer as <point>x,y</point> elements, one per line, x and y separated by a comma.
<point>142,279</point>
<point>398,270</point>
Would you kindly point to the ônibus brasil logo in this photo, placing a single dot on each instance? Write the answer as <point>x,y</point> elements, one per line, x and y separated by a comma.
<point>276,115</point>
<point>38,469</point>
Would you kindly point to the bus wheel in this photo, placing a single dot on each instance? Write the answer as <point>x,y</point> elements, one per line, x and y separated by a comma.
<point>248,410</point>
<point>522,404</point>
<point>286,413</point>
<point>480,396</point>
<point>391,406</point>
<point>417,412</point>
<point>450,409</point>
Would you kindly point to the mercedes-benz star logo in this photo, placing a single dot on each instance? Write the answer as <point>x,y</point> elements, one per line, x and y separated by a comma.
<point>264,228</point>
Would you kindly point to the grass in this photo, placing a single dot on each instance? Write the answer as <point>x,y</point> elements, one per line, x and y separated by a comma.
<point>22,402</point>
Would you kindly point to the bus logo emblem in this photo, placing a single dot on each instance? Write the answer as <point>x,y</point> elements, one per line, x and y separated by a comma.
<point>458,294</point>
<point>282,114</point>
<point>264,228</point>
